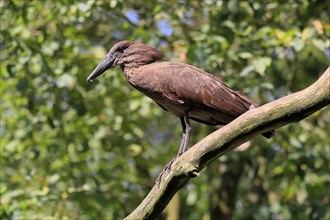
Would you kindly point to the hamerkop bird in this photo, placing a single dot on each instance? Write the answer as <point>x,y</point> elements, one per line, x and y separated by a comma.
<point>184,90</point>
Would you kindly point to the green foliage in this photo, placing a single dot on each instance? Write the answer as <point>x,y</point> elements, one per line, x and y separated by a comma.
<point>77,150</point>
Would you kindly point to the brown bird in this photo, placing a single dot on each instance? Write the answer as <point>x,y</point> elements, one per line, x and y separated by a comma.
<point>182,89</point>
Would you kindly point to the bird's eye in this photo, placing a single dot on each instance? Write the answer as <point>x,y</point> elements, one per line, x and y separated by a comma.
<point>120,49</point>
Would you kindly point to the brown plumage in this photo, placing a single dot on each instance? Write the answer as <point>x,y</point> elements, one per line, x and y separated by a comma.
<point>184,90</point>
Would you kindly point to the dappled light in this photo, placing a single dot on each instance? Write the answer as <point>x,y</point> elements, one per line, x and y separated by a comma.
<point>72,149</point>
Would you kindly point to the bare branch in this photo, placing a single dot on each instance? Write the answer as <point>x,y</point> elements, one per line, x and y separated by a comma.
<point>278,113</point>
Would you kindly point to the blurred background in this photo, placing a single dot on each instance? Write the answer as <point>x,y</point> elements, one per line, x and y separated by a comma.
<point>77,150</point>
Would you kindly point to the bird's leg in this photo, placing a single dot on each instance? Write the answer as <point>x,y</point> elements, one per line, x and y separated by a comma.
<point>186,128</point>
<point>183,144</point>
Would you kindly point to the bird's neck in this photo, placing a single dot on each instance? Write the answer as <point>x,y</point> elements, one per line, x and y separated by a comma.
<point>130,68</point>
<point>131,65</point>
<point>139,57</point>
<point>128,71</point>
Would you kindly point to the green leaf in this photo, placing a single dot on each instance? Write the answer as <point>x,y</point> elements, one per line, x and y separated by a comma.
<point>260,64</point>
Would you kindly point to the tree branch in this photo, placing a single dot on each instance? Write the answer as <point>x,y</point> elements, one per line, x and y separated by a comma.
<point>278,113</point>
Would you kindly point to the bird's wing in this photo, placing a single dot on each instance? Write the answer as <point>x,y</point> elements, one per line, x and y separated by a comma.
<point>186,83</point>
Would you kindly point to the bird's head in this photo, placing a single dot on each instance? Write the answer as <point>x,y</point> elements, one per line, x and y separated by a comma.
<point>126,54</point>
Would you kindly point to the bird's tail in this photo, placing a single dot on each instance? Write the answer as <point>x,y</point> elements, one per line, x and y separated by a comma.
<point>247,104</point>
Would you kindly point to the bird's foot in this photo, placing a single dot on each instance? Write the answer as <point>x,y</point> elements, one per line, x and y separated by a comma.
<point>166,168</point>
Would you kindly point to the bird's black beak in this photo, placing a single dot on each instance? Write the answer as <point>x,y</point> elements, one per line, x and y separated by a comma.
<point>105,64</point>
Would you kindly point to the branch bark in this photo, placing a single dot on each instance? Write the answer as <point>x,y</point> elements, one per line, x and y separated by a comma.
<point>275,114</point>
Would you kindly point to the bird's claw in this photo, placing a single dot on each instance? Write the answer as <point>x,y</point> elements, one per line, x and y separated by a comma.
<point>166,168</point>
